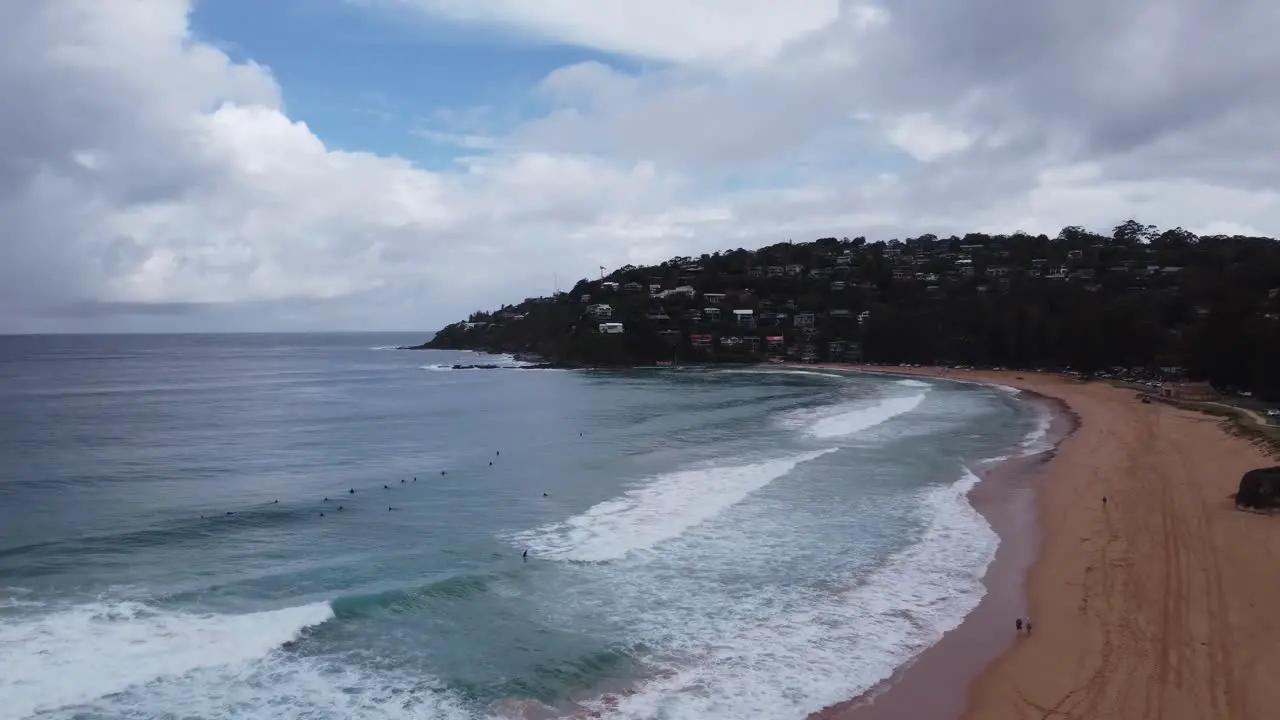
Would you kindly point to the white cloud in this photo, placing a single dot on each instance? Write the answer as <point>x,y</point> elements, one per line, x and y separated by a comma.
<point>926,139</point>
<point>714,31</point>
<point>145,171</point>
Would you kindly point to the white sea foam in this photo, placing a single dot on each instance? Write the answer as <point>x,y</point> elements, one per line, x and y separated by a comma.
<point>851,418</point>
<point>913,383</point>
<point>1036,441</point>
<point>782,651</point>
<point>771,371</point>
<point>283,687</point>
<point>77,654</point>
<point>660,509</point>
<point>501,363</point>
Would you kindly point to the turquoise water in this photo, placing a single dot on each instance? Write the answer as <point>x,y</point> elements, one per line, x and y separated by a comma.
<point>702,543</point>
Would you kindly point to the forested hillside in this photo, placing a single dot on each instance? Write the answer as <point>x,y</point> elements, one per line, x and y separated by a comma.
<point>1206,307</point>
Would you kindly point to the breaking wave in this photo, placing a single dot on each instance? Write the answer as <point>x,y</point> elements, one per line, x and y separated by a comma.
<point>660,509</point>
<point>77,654</point>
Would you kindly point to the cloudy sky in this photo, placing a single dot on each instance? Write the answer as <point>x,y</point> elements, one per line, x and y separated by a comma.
<point>394,164</point>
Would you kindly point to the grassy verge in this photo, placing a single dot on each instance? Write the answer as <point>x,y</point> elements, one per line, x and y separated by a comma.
<point>1234,421</point>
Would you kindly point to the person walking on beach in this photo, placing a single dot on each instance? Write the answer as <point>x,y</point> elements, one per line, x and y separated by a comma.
<point>1028,626</point>
<point>1104,501</point>
<point>1018,624</point>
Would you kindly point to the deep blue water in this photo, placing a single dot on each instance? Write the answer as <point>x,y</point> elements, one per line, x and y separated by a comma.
<point>702,543</point>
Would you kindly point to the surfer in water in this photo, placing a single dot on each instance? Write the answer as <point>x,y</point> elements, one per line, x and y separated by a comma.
<point>525,556</point>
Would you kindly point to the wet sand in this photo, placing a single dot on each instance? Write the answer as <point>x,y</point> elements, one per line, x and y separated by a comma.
<point>1159,605</point>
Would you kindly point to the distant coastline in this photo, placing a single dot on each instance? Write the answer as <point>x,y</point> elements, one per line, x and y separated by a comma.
<point>1138,302</point>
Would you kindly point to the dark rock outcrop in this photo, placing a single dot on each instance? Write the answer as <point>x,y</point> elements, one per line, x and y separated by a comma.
<point>1260,490</point>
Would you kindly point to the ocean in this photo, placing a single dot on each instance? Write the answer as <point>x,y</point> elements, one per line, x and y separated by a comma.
<point>321,526</point>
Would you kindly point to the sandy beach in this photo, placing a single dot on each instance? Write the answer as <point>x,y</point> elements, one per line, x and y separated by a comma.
<point>1159,604</point>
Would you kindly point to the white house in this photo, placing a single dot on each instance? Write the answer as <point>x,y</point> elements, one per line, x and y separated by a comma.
<point>611,328</point>
<point>601,312</point>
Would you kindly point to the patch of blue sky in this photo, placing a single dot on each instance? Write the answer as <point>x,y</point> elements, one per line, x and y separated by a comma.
<point>371,78</point>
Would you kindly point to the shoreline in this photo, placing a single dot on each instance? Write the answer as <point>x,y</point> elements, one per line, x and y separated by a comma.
<point>935,683</point>
<point>1156,605</point>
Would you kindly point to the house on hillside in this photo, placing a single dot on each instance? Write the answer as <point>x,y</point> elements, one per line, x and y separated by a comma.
<point>775,342</point>
<point>602,311</point>
<point>633,287</point>
<point>776,270</point>
<point>839,285</point>
<point>609,285</point>
<point>755,271</point>
<point>686,290</point>
<point>702,340</point>
<point>711,314</point>
<point>804,320</point>
<point>752,344</point>
<point>713,298</point>
<point>1191,391</point>
<point>746,317</point>
<point>611,328</point>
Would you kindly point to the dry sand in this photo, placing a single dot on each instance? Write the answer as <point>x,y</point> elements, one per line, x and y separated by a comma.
<point>1162,605</point>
